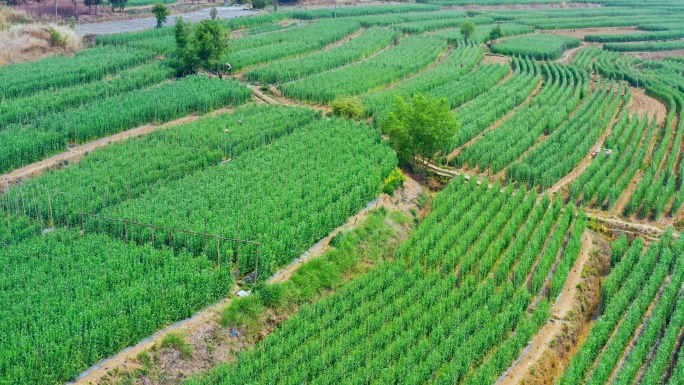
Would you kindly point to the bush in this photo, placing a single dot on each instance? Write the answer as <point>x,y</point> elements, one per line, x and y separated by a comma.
<point>56,38</point>
<point>348,108</point>
<point>393,181</point>
<point>270,295</point>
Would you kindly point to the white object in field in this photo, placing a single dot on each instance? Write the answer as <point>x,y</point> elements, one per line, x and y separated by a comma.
<point>608,152</point>
<point>242,294</point>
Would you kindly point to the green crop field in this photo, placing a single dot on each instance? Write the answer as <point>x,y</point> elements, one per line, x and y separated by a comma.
<point>444,192</point>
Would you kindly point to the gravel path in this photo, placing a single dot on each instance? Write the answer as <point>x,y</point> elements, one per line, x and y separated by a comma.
<point>133,25</point>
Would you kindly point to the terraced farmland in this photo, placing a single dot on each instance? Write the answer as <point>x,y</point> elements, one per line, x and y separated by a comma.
<point>280,212</point>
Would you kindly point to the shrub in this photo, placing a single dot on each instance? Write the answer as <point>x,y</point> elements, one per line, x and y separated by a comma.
<point>56,38</point>
<point>348,108</point>
<point>393,181</point>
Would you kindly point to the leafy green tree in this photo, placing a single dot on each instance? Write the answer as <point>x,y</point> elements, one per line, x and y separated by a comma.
<point>200,50</point>
<point>467,29</point>
<point>420,129</point>
<point>495,34</point>
<point>161,12</point>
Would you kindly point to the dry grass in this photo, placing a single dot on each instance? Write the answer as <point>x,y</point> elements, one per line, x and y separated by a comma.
<point>26,42</point>
<point>10,16</point>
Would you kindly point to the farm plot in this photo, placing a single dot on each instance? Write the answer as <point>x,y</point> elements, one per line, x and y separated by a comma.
<point>24,110</point>
<point>563,90</point>
<point>106,296</point>
<point>468,282</point>
<point>58,71</point>
<point>53,132</point>
<point>409,56</point>
<point>570,143</point>
<point>253,50</point>
<point>286,195</point>
<point>635,337</point>
<point>542,46</point>
<point>127,169</point>
<point>481,34</point>
<point>609,174</point>
<point>493,104</point>
<point>369,42</point>
<point>456,66</point>
<point>645,47</point>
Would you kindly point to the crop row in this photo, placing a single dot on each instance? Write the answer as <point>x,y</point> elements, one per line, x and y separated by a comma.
<point>456,65</point>
<point>53,132</point>
<point>570,143</point>
<point>493,104</point>
<point>629,301</point>
<point>642,36</point>
<point>27,109</point>
<point>540,46</point>
<point>481,34</point>
<point>645,47</point>
<point>368,43</point>
<point>60,71</point>
<point>258,49</point>
<point>563,89</point>
<point>608,175</point>
<point>659,182</point>
<point>410,55</point>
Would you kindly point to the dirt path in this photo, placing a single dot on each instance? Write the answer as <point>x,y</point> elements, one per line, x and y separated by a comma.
<point>580,33</point>
<point>405,199</point>
<point>560,310</point>
<point>569,56</point>
<point>490,58</point>
<point>133,25</point>
<point>646,106</point>
<point>582,166</point>
<point>76,153</point>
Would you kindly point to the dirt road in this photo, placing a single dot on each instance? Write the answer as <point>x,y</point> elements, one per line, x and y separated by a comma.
<point>542,340</point>
<point>134,25</point>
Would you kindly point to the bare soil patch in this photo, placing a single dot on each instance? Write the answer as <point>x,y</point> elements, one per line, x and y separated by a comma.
<point>565,303</point>
<point>496,59</point>
<point>646,106</point>
<point>658,55</point>
<point>573,314</point>
<point>580,33</point>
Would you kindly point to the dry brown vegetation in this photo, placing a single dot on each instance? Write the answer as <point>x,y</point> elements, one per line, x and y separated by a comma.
<point>23,39</point>
<point>578,322</point>
<point>27,42</point>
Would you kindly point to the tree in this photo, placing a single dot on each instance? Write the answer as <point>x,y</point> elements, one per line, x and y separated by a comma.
<point>161,12</point>
<point>90,3</point>
<point>495,34</point>
<point>467,30</point>
<point>260,4</point>
<point>118,3</point>
<point>201,50</point>
<point>420,128</point>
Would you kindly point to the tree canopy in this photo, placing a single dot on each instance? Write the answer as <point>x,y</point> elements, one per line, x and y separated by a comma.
<point>161,12</point>
<point>420,128</point>
<point>467,29</point>
<point>495,34</point>
<point>201,48</point>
